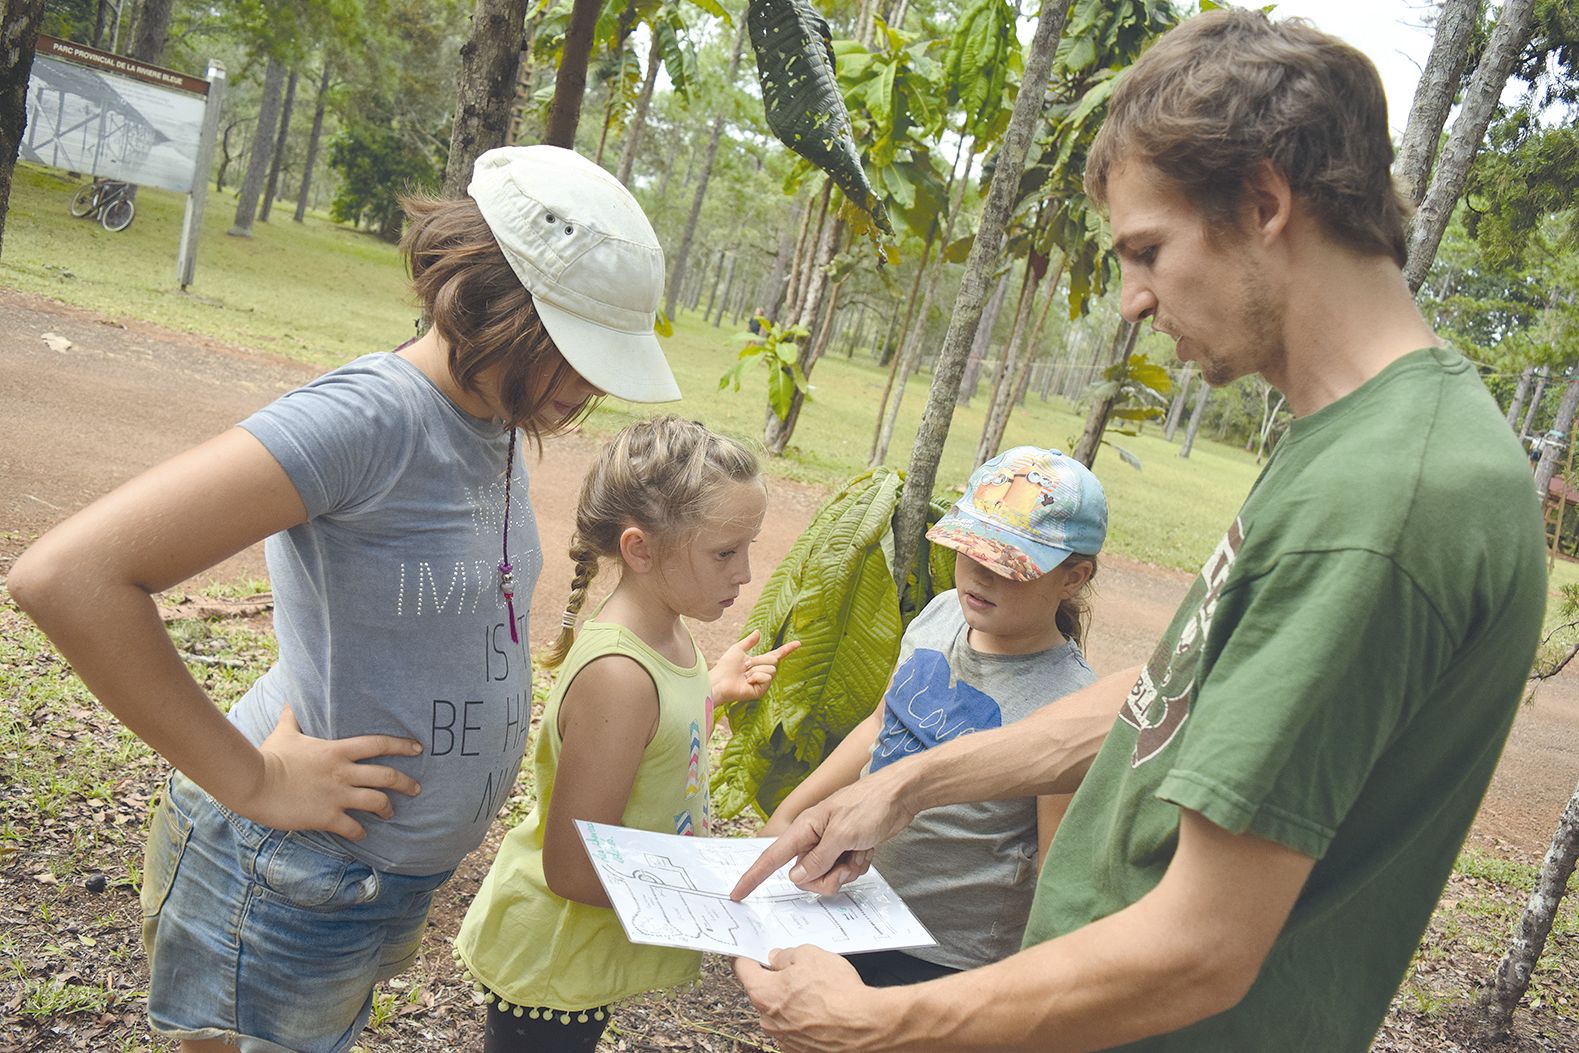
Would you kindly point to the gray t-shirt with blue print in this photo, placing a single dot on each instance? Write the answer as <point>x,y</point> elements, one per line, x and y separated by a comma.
<point>967,871</point>
<point>387,604</point>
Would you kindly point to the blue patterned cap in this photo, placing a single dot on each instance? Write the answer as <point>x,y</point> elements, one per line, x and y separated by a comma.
<point>1024,512</point>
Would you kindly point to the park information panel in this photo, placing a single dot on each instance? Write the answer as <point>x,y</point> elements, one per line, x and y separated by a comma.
<point>113,117</point>
<point>674,891</point>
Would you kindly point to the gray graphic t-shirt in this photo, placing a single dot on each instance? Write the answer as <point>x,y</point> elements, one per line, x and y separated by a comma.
<point>387,604</point>
<point>968,871</point>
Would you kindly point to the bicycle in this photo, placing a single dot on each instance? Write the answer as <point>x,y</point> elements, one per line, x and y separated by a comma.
<point>108,200</point>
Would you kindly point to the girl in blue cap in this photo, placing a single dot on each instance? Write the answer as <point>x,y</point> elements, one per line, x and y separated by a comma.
<point>1004,642</point>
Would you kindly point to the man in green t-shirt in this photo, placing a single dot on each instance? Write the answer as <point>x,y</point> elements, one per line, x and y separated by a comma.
<point>1256,849</point>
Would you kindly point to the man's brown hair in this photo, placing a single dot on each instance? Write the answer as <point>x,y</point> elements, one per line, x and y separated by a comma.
<point>480,307</point>
<point>1229,89</point>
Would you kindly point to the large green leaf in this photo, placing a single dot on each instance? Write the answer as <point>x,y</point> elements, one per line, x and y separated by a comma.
<point>679,61</point>
<point>800,94</point>
<point>976,65</point>
<point>834,592</point>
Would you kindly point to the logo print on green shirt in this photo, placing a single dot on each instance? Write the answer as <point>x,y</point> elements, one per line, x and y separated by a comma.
<point>1159,703</point>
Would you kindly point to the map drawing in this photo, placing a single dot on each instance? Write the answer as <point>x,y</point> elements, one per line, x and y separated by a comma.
<point>673,891</point>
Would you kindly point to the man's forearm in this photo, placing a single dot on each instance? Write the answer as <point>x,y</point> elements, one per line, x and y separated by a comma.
<point>1045,753</point>
<point>1194,945</point>
<point>1070,995</point>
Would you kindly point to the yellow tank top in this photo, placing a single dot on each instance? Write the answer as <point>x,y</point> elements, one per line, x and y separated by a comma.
<point>533,948</point>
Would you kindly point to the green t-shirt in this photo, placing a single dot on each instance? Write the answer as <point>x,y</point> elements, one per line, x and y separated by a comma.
<point>1340,680</point>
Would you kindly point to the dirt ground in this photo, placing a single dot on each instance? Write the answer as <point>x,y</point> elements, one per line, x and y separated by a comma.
<point>77,420</point>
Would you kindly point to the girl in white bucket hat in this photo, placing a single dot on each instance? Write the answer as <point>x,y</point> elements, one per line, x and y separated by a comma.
<point>292,860</point>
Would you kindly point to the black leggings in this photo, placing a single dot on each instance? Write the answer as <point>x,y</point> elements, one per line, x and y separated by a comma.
<point>548,1033</point>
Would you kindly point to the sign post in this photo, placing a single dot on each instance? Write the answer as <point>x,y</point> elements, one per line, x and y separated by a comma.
<point>197,196</point>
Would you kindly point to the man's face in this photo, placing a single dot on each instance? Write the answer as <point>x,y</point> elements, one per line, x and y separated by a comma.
<point>1210,291</point>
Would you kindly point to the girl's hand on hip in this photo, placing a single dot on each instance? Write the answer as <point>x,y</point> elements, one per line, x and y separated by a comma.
<point>740,676</point>
<point>311,784</point>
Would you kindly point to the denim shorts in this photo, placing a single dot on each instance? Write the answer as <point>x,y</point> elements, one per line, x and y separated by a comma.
<point>268,940</point>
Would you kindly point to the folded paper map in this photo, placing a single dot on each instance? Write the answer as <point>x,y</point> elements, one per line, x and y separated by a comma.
<point>674,891</point>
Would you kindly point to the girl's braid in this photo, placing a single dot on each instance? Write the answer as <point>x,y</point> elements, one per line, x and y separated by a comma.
<point>586,559</point>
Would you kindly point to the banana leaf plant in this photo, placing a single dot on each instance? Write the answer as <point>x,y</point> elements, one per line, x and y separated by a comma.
<point>834,592</point>
<point>803,105</point>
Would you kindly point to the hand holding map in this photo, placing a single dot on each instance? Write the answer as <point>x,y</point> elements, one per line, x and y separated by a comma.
<point>674,891</point>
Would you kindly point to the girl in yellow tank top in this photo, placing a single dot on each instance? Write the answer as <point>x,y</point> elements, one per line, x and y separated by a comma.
<point>623,739</point>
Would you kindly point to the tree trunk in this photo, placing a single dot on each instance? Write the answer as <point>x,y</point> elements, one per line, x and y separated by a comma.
<point>313,139</point>
<point>1268,419</point>
<point>100,16</point>
<point>18,35</point>
<point>725,259</point>
<point>153,31</point>
<point>770,292</point>
<point>225,156</point>
<point>1008,364</point>
<point>1520,393</point>
<point>1010,353</point>
<point>1541,375</point>
<point>1176,411</point>
<point>910,517</point>
<point>677,275</point>
<point>805,252</point>
<point>729,287</point>
<point>1455,24</point>
<point>279,150</point>
<point>775,432</point>
<point>1016,371</point>
<point>638,126</point>
<point>485,89</point>
<point>909,339</point>
<point>1096,420</point>
<point>914,336</point>
<point>978,347</point>
<point>1507,985</point>
<point>571,83</point>
<point>1195,419</point>
<point>824,333</point>
<point>1512,32</point>
<point>608,119</point>
<point>262,140</point>
<point>521,92</point>
<point>879,449</point>
<point>1551,452</point>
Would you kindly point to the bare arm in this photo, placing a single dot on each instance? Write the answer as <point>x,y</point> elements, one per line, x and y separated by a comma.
<point>607,717</point>
<point>837,770</point>
<point>89,584</point>
<point>1050,809</point>
<point>1194,944</point>
<point>1048,752</point>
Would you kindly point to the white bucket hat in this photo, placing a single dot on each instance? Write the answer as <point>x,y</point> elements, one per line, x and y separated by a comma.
<point>583,248</point>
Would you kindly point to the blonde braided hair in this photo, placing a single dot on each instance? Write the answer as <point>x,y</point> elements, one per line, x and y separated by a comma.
<point>661,474</point>
<point>586,560</point>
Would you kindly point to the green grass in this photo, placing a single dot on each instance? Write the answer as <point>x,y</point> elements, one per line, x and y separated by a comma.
<point>315,291</point>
